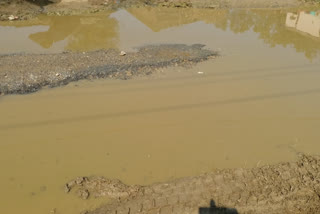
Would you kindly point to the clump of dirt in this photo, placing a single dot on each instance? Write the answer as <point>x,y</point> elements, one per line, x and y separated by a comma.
<point>25,73</point>
<point>289,187</point>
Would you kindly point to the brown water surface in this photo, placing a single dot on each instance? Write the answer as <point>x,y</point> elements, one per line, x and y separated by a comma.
<point>259,103</point>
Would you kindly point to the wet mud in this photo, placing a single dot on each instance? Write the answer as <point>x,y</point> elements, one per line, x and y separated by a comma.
<point>26,73</point>
<point>289,187</point>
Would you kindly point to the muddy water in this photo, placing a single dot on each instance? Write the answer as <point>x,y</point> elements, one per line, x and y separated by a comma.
<point>257,104</point>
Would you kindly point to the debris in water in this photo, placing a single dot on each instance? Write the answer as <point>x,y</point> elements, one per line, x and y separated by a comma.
<point>12,17</point>
<point>200,72</point>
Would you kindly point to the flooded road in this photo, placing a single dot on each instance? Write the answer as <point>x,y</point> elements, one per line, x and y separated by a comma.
<point>259,103</point>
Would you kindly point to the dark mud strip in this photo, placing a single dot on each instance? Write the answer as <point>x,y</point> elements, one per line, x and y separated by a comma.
<point>291,187</point>
<point>25,73</point>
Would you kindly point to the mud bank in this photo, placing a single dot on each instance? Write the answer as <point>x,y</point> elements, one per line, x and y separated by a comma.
<point>25,73</point>
<point>23,10</point>
<point>291,187</point>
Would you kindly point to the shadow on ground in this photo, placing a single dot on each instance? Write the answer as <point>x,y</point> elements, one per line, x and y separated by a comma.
<point>42,2</point>
<point>213,209</point>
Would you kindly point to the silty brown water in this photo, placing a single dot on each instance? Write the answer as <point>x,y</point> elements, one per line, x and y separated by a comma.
<point>256,104</point>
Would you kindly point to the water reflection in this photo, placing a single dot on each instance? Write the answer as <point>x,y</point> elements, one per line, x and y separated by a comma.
<point>268,24</point>
<point>158,19</point>
<point>79,33</point>
<point>306,22</point>
<point>82,32</point>
<point>101,31</point>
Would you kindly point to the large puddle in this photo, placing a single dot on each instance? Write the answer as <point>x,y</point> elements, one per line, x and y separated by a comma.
<point>257,104</point>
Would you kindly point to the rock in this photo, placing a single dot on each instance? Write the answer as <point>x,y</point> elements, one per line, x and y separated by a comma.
<point>122,53</point>
<point>12,17</point>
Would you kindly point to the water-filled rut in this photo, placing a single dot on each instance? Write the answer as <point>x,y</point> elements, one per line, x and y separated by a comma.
<point>253,108</point>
